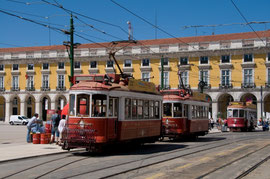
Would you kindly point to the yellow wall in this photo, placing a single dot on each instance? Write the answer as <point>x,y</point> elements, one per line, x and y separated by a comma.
<point>22,78</point>
<point>8,77</point>
<point>214,71</point>
<point>38,76</point>
<point>260,70</point>
<point>194,72</point>
<point>237,74</point>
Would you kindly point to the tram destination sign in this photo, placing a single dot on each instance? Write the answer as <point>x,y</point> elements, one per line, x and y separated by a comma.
<point>144,86</point>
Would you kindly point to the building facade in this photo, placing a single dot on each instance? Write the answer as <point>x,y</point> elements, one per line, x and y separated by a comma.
<point>233,67</point>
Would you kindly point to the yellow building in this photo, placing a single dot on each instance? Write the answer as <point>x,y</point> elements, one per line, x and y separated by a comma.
<point>233,67</point>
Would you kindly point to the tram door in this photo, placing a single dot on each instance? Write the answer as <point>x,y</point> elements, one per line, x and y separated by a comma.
<point>113,117</point>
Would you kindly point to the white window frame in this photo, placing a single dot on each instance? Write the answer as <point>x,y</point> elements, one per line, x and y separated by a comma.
<point>107,64</point>
<point>18,82</point>
<point>3,67</point>
<point>77,62</point>
<point>28,81</point>
<point>124,64</point>
<point>243,74</point>
<point>163,62</point>
<point>230,76</point>
<point>143,76</point>
<point>60,68</point>
<point>225,63</point>
<point>187,77</point>
<point>30,69</point>
<point>183,57</point>
<point>142,62</point>
<point>267,57</point>
<point>48,66</point>
<point>208,76</point>
<point>204,63</point>
<point>18,67</point>
<point>58,81</point>
<point>48,81</point>
<point>2,83</point>
<point>96,64</point>
<point>248,54</point>
<point>164,78</point>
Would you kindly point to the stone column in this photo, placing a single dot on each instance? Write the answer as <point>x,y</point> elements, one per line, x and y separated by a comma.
<point>22,108</point>
<point>53,105</point>
<point>37,108</point>
<point>7,112</point>
<point>214,110</point>
<point>259,109</point>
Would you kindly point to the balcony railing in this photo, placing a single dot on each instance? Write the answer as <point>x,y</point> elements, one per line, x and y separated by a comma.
<point>248,85</point>
<point>225,86</point>
<point>207,86</point>
<point>267,85</point>
<point>45,89</point>
<point>15,88</point>
<point>185,85</point>
<point>60,88</point>
<point>2,89</point>
<point>31,88</point>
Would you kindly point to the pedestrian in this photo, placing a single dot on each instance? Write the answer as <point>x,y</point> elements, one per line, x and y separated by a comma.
<point>31,124</point>
<point>212,122</point>
<point>61,127</point>
<point>55,119</point>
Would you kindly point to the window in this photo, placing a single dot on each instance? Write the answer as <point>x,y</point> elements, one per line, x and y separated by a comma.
<point>268,79</point>
<point>204,76</point>
<point>45,81</point>
<point>165,79</point>
<point>151,109</point>
<point>134,108</point>
<point>140,109</point>
<point>248,58</point>
<point>177,110</point>
<point>184,76</point>
<point>248,76</point>
<point>146,77</point>
<point>15,82</point>
<point>77,65</point>
<point>30,66</point>
<point>225,77</point>
<point>109,64</point>
<point>15,67</point>
<point>127,63</point>
<point>235,113</point>
<point>113,107</point>
<point>165,62</point>
<point>268,57</point>
<point>72,104</point>
<point>241,113</point>
<point>225,59</point>
<point>146,109</point>
<point>128,108</point>
<point>30,82</point>
<point>1,67</point>
<point>184,61</point>
<point>99,103</point>
<point>83,104</point>
<point>156,108</point>
<point>167,109</point>
<point>61,81</point>
<point>145,62</point>
<point>204,60</point>
<point>185,110</point>
<point>1,82</point>
<point>61,65</point>
<point>45,66</point>
<point>93,64</point>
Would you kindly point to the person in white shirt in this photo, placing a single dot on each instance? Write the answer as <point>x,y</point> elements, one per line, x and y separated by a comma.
<point>61,126</point>
<point>30,125</point>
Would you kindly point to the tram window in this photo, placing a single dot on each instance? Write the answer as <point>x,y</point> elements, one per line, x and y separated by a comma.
<point>134,108</point>
<point>146,109</point>
<point>151,109</point>
<point>177,110</point>
<point>193,111</point>
<point>140,109</point>
<point>167,109</point>
<point>200,111</point>
<point>83,104</point>
<point>115,106</point>
<point>128,108</point>
<point>111,107</point>
<point>241,113</point>
<point>72,105</point>
<point>230,113</point>
<point>99,103</point>
<point>235,113</point>
<point>185,110</point>
<point>197,108</point>
<point>157,109</point>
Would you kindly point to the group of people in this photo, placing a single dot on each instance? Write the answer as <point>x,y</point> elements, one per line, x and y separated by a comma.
<point>219,122</point>
<point>57,127</point>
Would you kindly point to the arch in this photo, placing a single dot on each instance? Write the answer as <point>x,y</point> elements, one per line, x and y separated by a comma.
<point>60,102</point>
<point>30,106</point>
<point>45,105</point>
<point>223,102</point>
<point>15,104</point>
<point>266,103</point>
<point>249,97</point>
<point>2,108</point>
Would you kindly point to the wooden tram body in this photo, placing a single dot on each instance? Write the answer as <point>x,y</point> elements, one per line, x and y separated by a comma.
<point>241,116</point>
<point>185,114</point>
<point>104,110</point>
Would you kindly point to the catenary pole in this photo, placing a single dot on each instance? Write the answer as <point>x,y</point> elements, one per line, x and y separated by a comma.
<point>71,51</point>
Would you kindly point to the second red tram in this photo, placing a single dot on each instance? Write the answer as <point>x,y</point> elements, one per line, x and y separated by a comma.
<point>105,110</point>
<point>241,116</point>
<point>185,114</point>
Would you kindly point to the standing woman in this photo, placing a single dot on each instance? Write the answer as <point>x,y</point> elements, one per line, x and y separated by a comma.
<point>61,126</point>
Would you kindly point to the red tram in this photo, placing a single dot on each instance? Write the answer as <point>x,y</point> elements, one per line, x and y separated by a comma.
<point>105,110</point>
<point>185,114</point>
<point>241,116</point>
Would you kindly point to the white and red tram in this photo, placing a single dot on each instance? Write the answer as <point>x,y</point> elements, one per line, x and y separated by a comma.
<point>104,110</point>
<point>241,116</point>
<point>185,114</point>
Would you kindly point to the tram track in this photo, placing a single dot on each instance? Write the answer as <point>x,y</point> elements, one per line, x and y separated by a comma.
<point>138,162</point>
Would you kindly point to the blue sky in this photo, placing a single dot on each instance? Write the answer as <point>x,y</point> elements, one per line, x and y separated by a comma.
<point>170,15</point>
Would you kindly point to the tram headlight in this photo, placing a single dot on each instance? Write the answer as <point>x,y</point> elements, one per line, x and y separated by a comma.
<point>167,121</point>
<point>81,124</point>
